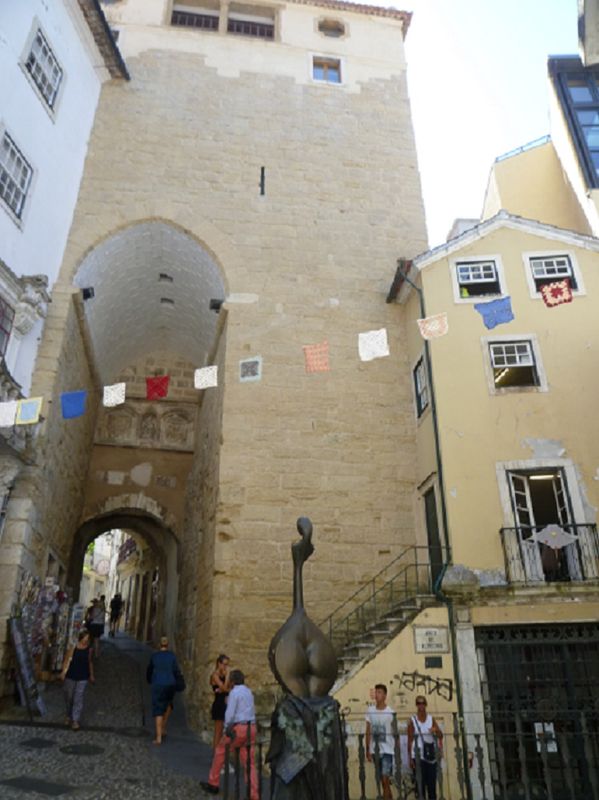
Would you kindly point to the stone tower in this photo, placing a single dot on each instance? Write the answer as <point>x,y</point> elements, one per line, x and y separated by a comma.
<point>261,155</point>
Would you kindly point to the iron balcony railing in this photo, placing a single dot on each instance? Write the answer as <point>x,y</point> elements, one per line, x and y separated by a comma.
<point>207,22</point>
<point>530,561</point>
<point>406,577</point>
<point>263,30</point>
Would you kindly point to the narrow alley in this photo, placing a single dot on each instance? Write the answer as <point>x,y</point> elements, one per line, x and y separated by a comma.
<point>112,755</point>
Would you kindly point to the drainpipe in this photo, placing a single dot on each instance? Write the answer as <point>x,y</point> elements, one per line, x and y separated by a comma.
<point>403,266</point>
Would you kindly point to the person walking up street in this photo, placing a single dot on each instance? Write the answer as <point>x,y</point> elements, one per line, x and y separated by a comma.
<point>422,733</point>
<point>163,674</point>
<point>116,607</point>
<point>77,671</point>
<point>380,743</point>
<point>240,720</point>
<point>95,619</point>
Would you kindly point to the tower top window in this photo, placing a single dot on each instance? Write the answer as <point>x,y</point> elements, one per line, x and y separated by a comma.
<point>331,27</point>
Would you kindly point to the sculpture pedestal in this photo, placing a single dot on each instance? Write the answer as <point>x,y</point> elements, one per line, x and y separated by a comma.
<point>308,757</point>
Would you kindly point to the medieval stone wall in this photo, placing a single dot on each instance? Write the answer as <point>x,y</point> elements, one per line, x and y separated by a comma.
<point>185,143</point>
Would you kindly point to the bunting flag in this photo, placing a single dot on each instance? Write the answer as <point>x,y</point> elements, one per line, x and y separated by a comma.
<point>373,344</point>
<point>73,404</point>
<point>8,413</point>
<point>316,357</point>
<point>114,395</point>
<point>205,378</point>
<point>433,327</point>
<point>157,387</point>
<point>495,312</point>
<point>554,294</point>
<point>28,411</point>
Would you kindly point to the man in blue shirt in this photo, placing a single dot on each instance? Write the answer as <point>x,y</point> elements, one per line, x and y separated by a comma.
<point>240,730</point>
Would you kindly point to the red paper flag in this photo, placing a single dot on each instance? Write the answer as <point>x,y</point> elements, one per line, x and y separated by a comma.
<point>316,357</point>
<point>157,388</point>
<point>554,294</point>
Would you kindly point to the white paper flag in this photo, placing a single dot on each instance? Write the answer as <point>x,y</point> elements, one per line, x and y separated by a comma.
<point>8,413</point>
<point>114,395</point>
<point>205,378</point>
<point>373,344</point>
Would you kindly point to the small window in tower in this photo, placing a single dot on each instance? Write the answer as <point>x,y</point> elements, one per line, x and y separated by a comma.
<point>331,27</point>
<point>326,70</point>
<point>202,14</point>
<point>247,20</point>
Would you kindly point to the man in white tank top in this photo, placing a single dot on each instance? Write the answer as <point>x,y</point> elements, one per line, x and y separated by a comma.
<point>425,745</point>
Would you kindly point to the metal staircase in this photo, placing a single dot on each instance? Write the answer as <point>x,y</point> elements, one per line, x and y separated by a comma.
<point>379,609</point>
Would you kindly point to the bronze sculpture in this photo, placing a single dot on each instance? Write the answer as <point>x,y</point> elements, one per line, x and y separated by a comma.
<point>307,754</point>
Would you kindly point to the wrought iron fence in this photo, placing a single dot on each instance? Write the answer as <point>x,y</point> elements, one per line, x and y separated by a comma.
<point>520,759</point>
<point>528,560</point>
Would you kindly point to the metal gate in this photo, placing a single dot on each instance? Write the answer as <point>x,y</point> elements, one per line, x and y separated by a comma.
<point>540,686</point>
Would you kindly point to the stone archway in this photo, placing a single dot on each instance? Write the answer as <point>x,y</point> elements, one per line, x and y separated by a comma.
<point>158,536</point>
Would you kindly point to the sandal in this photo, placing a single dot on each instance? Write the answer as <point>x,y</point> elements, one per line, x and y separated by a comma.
<point>75,726</point>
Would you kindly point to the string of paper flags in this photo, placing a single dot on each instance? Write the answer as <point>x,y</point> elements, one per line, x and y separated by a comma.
<point>371,345</point>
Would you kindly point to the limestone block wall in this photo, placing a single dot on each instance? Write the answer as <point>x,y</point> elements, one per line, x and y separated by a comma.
<point>197,645</point>
<point>183,142</point>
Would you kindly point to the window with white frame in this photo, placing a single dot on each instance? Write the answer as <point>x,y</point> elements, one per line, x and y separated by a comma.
<point>550,268</point>
<point>44,68</point>
<point>477,278</point>
<point>326,70</point>
<point>15,175</point>
<point>7,316</point>
<point>421,390</point>
<point>513,363</point>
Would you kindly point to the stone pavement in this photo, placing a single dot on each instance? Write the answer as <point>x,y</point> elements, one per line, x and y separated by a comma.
<point>112,756</point>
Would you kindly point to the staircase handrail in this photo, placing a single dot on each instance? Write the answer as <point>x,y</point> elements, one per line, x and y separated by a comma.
<point>370,584</point>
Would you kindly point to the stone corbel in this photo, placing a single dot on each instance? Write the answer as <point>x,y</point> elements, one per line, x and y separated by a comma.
<point>33,303</point>
<point>9,469</point>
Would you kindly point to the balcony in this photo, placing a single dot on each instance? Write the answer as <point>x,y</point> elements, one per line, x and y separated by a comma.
<point>530,560</point>
<point>189,19</point>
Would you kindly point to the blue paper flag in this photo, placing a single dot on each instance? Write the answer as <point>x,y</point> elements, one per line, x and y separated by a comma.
<point>495,312</point>
<point>73,404</point>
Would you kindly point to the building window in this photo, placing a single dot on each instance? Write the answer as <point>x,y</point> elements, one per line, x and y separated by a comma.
<point>477,278</point>
<point>513,364</point>
<point>327,70</point>
<point>44,69</point>
<point>7,316</point>
<point>205,19</point>
<point>332,28</point>
<point>15,176</point>
<point>547,269</point>
<point>421,392</point>
<point>4,509</point>
<point>257,21</point>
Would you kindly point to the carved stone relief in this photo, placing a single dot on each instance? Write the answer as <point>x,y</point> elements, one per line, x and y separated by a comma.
<point>143,424</point>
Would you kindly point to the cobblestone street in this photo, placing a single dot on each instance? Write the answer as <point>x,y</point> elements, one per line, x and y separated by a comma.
<point>112,755</point>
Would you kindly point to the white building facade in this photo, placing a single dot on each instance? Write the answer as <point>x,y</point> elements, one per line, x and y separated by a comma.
<point>54,58</point>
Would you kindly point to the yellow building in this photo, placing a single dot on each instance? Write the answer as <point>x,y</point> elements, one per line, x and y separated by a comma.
<point>505,611</point>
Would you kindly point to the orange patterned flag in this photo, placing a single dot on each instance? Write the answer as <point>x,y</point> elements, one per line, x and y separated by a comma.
<point>316,357</point>
<point>433,327</point>
<point>554,294</point>
<point>157,388</point>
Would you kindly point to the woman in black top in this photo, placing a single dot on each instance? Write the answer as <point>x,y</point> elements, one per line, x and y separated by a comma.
<point>77,670</point>
<point>219,680</point>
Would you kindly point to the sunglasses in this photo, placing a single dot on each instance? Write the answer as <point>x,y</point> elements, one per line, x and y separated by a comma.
<point>420,703</point>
